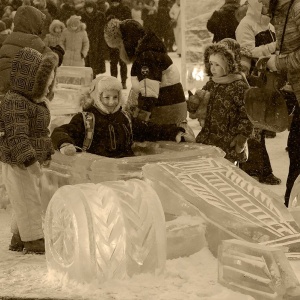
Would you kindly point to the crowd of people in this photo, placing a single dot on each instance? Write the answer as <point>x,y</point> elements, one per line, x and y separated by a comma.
<point>44,35</point>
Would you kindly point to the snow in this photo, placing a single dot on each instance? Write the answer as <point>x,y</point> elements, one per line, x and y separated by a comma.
<point>193,277</point>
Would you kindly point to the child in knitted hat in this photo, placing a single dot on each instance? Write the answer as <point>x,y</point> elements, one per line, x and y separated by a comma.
<point>25,145</point>
<point>221,101</point>
<point>75,41</point>
<point>113,131</point>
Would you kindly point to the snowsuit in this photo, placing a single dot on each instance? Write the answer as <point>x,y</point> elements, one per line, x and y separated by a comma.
<point>226,116</point>
<point>52,38</point>
<point>28,23</point>
<point>24,121</point>
<point>255,33</point>
<point>288,61</point>
<point>95,23</point>
<point>76,44</point>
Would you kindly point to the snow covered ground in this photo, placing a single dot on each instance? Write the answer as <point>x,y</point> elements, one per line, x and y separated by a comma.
<point>193,277</point>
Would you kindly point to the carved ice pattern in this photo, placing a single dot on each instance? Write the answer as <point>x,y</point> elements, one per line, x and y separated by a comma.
<point>207,178</point>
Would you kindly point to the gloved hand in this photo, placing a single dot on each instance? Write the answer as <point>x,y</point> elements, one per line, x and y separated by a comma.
<point>239,142</point>
<point>67,149</point>
<point>192,103</point>
<point>35,169</point>
<point>271,65</point>
<point>200,114</point>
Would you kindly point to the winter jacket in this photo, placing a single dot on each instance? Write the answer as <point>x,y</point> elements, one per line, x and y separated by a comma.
<point>113,134</point>
<point>226,117</point>
<point>52,38</point>
<point>255,32</point>
<point>219,24</point>
<point>160,92</point>
<point>28,23</point>
<point>95,23</point>
<point>24,117</point>
<point>76,45</point>
<point>289,58</point>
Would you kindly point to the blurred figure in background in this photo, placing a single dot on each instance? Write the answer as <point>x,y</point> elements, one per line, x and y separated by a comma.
<point>176,16</point>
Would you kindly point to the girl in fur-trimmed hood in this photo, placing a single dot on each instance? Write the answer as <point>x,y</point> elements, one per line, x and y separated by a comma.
<point>226,124</point>
<point>53,38</point>
<point>75,41</point>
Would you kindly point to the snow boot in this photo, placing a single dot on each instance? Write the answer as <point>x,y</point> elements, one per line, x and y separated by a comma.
<point>270,179</point>
<point>34,247</point>
<point>16,243</point>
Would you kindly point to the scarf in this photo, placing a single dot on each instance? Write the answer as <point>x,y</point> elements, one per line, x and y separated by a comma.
<point>227,78</point>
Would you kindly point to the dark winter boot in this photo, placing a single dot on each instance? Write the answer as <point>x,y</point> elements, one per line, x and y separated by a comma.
<point>124,85</point>
<point>270,179</point>
<point>16,243</point>
<point>34,247</point>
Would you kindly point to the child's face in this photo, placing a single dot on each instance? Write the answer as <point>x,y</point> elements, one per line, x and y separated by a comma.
<point>74,27</point>
<point>89,9</point>
<point>216,68</point>
<point>110,99</point>
<point>57,29</point>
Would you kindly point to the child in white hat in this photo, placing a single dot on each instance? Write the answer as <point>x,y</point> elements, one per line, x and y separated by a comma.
<point>104,128</point>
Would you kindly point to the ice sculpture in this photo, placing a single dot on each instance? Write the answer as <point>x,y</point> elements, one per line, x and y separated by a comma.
<point>231,202</point>
<point>103,231</point>
<point>77,76</point>
<point>295,194</point>
<point>260,271</point>
<point>85,167</point>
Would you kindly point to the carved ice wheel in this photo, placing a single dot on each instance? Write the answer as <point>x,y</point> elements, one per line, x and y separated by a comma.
<point>102,231</point>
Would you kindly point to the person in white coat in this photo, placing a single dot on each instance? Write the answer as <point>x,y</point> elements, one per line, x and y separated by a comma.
<point>175,14</point>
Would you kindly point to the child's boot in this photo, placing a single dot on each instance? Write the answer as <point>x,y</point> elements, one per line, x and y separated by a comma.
<point>16,243</point>
<point>34,247</point>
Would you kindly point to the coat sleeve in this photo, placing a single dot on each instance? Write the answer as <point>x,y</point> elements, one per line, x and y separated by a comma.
<point>143,131</point>
<point>245,36</point>
<point>72,133</point>
<point>213,22</point>
<point>291,61</point>
<point>245,127</point>
<point>85,44</point>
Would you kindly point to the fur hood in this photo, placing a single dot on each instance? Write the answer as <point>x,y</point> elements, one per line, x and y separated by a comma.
<point>75,21</point>
<point>234,65</point>
<point>54,24</point>
<point>30,72</point>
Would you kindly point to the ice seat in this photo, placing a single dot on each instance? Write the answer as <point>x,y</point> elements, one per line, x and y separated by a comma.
<point>260,271</point>
<point>231,202</point>
<point>105,231</point>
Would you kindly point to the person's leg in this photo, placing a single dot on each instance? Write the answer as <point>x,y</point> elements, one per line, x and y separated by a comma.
<point>114,58</point>
<point>123,71</point>
<point>24,194</point>
<point>294,154</point>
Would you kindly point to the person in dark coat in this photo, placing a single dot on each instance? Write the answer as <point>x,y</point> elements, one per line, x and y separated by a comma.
<point>121,12</point>
<point>223,22</point>
<point>158,94</point>
<point>42,6</point>
<point>28,26</point>
<point>95,22</point>
<point>67,9</point>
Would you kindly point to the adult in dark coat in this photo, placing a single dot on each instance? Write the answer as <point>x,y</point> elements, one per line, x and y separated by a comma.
<point>223,22</point>
<point>95,22</point>
<point>28,26</point>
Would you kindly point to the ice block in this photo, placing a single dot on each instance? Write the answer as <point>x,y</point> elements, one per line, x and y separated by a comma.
<point>105,231</point>
<point>260,271</point>
<point>231,202</point>
<point>76,76</point>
